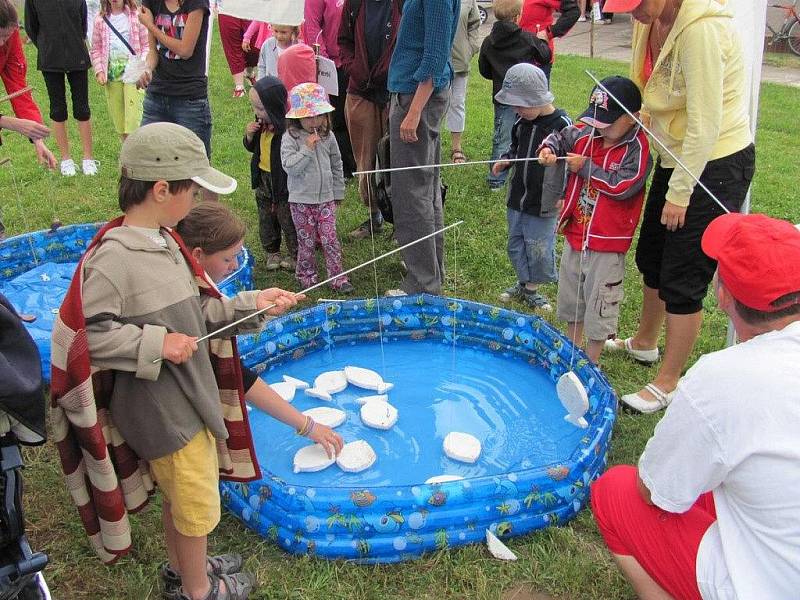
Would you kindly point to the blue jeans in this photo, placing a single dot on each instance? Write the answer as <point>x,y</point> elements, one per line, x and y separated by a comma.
<point>532,247</point>
<point>504,117</point>
<point>192,113</point>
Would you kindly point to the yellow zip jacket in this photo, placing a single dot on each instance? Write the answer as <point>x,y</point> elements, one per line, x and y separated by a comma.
<point>696,95</point>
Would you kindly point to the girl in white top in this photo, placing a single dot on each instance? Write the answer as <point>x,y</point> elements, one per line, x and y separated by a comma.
<point>283,36</point>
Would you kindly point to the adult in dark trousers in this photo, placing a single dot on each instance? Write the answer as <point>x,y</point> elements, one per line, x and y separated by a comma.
<point>687,60</point>
<point>367,36</point>
<point>58,30</point>
<point>537,18</point>
<point>322,27</point>
<point>419,81</point>
<point>712,510</point>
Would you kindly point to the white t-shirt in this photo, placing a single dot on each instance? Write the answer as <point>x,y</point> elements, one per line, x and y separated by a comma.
<point>118,53</point>
<point>734,428</point>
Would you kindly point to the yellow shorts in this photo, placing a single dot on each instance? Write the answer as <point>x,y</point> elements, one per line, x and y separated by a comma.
<point>189,480</point>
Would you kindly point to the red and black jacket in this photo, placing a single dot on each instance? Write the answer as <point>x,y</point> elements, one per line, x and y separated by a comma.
<point>604,214</point>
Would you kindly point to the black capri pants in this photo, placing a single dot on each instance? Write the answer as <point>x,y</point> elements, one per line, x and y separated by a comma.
<point>57,92</point>
<point>673,262</point>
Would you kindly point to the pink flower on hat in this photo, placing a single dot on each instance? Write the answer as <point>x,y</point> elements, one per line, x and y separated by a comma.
<point>308,100</point>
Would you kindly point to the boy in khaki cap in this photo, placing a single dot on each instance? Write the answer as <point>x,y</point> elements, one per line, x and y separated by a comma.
<point>145,303</point>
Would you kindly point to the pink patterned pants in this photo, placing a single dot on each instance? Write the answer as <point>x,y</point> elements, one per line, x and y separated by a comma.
<point>317,223</point>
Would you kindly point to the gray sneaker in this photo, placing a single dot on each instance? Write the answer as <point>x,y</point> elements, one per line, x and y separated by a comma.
<point>515,292</point>
<point>288,263</point>
<point>537,301</point>
<point>273,261</point>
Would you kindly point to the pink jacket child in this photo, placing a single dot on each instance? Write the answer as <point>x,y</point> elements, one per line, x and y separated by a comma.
<point>101,40</point>
<point>257,34</point>
<point>322,26</point>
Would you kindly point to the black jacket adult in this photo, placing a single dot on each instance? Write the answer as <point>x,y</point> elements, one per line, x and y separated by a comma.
<point>506,46</point>
<point>534,189</point>
<point>273,96</point>
<point>21,394</point>
<point>58,30</point>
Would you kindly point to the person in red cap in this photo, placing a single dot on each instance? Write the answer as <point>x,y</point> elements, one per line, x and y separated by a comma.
<point>687,60</point>
<point>712,510</point>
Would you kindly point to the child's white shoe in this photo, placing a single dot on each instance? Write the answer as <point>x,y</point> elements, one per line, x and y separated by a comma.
<point>89,166</point>
<point>68,167</point>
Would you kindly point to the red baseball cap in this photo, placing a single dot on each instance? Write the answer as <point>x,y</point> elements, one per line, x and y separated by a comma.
<point>620,6</point>
<point>758,256</point>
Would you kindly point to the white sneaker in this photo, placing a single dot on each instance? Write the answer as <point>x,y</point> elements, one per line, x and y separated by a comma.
<point>582,19</point>
<point>68,167</point>
<point>395,293</point>
<point>89,166</point>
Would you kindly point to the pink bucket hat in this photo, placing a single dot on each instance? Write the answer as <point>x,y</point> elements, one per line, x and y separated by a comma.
<point>308,100</point>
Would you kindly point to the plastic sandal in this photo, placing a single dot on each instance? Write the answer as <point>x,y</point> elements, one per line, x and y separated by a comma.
<point>237,587</point>
<point>224,564</point>
<point>636,403</point>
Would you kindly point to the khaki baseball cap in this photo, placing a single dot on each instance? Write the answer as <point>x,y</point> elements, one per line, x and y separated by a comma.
<point>170,152</point>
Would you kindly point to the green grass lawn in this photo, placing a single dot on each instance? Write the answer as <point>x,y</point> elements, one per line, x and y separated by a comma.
<point>566,562</point>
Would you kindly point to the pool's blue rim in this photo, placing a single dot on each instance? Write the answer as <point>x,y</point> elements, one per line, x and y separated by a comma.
<point>540,470</point>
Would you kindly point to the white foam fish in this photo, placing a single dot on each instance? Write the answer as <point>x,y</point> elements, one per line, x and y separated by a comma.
<point>310,459</point>
<point>356,457</point>
<point>367,379</point>
<point>462,447</point>
<point>324,415</point>
<point>319,394</point>
<point>331,381</point>
<point>379,398</point>
<point>284,389</point>
<point>297,383</point>
<point>443,479</point>
<point>497,548</point>
<point>379,414</point>
<point>573,398</point>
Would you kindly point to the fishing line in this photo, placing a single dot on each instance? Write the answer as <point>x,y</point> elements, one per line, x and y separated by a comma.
<point>20,208</point>
<point>375,275</point>
<point>659,142</point>
<point>321,283</point>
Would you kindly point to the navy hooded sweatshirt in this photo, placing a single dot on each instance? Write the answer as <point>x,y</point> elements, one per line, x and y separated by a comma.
<point>273,96</point>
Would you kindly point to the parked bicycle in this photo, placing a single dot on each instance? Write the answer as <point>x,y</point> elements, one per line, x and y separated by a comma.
<point>790,30</point>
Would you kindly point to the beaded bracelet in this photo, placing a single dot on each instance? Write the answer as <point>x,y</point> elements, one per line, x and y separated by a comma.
<point>307,427</point>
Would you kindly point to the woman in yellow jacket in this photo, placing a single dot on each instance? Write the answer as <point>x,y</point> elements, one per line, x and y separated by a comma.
<point>687,60</point>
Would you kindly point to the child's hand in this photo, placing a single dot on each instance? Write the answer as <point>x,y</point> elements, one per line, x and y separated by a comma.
<point>178,348</point>
<point>312,140</point>
<point>251,129</point>
<point>102,78</point>
<point>500,166</point>
<point>282,300</point>
<point>575,161</point>
<point>246,46</point>
<point>546,157</point>
<point>328,438</point>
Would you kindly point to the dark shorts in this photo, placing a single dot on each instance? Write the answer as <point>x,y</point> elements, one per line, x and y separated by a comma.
<point>672,261</point>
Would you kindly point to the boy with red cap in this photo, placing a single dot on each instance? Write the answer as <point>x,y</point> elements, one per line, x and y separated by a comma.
<point>713,509</point>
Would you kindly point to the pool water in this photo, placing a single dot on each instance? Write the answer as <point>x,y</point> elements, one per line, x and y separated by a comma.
<point>510,406</point>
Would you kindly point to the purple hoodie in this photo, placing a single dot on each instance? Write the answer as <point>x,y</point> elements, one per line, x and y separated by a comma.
<point>322,26</point>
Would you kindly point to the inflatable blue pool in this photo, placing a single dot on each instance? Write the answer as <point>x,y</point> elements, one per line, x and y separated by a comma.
<point>36,269</point>
<point>456,366</point>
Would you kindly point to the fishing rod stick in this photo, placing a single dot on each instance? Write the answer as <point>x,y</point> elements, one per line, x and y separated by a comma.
<point>659,142</point>
<point>464,164</point>
<point>16,94</point>
<point>321,283</point>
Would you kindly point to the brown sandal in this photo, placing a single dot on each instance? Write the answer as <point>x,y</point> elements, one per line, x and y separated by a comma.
<point>458,157</point>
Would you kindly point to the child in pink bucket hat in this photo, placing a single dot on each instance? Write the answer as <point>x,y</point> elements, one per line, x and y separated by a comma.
<point>313,165</point>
